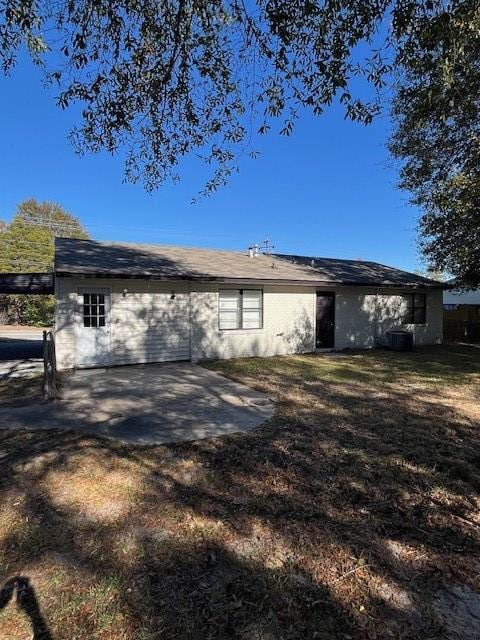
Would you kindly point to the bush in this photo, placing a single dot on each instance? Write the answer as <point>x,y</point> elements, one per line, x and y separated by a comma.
<point>27,309</point>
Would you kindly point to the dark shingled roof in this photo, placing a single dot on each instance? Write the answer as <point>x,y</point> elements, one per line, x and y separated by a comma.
<point>362,272</point>
<point>127,260</point>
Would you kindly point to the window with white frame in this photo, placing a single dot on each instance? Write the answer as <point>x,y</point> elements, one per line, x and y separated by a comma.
<point>94,310</point>
<point>240,309</point>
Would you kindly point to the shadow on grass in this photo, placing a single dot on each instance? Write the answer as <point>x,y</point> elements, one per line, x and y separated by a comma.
<point>343,517</point>
<point>453,364</point>
<point>20,391</point>
<point>20,589</point>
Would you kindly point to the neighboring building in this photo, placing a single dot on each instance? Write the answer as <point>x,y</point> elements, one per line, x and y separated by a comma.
<point>454,297</point>
<point>130,303</point>
<point>462,314</point>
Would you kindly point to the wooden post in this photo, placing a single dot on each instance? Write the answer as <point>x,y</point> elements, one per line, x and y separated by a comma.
<point>45,366</point>
<point>53,364</point>
<point>49,366</point>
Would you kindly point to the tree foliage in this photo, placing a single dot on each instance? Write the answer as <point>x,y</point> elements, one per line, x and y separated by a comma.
<point>27,245</point>
<point>166,79</point>
<point>437,138</point>
<point>27,242</point>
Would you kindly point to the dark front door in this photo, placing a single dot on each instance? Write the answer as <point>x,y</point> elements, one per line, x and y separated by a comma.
<point>325,320</point>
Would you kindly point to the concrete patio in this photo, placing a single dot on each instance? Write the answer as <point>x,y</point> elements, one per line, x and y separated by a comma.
<point>147,404</point>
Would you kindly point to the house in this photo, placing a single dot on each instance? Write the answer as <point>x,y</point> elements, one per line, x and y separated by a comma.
<point>462,313</point>
<point>119,303</point>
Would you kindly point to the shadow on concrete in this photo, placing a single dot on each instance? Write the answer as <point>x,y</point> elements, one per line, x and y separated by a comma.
<point>147,404</point>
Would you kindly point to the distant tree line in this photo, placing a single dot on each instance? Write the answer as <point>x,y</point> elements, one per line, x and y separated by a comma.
<point>27,245</point>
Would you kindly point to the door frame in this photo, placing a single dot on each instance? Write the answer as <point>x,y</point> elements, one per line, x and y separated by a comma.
<point>331,294</point>
<point>79,324</point>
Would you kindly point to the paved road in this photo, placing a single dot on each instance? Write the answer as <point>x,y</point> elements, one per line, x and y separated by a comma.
<point>20,343</point>
<point>21,351</point>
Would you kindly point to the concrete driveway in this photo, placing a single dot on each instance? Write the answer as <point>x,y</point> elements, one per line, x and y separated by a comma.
<point>21,351</point>
<point>147,404</point>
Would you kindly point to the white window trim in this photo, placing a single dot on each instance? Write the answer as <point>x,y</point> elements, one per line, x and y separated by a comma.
<point>241,328</point>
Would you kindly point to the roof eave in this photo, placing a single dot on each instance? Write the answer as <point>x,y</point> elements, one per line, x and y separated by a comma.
<point>232,280</point>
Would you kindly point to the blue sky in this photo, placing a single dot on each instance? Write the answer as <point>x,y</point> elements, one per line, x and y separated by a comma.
<point>328,190</point>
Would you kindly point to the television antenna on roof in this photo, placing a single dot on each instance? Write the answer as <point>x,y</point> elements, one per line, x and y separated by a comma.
<point>266,246</point>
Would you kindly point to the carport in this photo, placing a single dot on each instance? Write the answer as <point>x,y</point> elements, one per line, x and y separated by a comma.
<point>27,283</point>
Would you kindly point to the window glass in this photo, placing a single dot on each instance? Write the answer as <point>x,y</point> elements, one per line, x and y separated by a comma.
<point>229,321</point>
<point>229,300</point>
<point>419,313</point>
<point>408,317</point>
<point>94,310</point>
<point>419,316</point>
<point>414,308</point>
<point>251,309</point>
<point>252,319</point>
<point>252,299</point>
<point>240,309</point>
<point>229,307</point>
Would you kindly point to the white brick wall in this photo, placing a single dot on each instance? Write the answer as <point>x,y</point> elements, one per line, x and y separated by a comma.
<point>64,322</point>
<point>148,325</point>
<point>288,326</point>
<point>364,315</point>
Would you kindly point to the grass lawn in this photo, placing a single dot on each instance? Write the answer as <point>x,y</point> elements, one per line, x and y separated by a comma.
<point>16,392</point>
<point>352,514</point>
